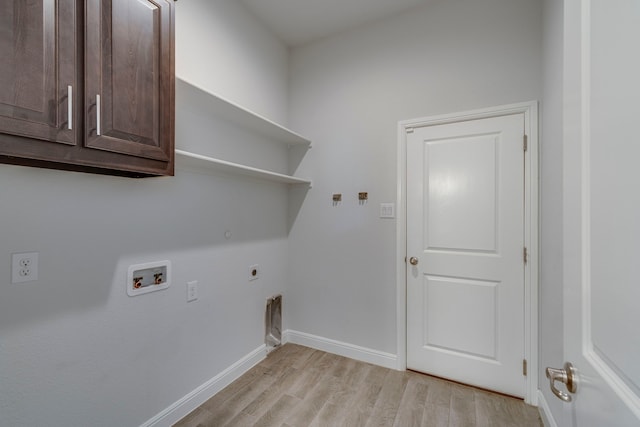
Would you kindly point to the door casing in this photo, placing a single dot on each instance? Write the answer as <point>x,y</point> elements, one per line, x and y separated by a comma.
<point>530,111</point>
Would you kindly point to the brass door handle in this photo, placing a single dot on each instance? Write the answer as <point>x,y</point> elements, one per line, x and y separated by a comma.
<point>568,376</point>
<point>413,260</point>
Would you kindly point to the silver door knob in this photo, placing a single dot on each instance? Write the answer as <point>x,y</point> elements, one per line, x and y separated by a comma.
<point>568,376</point>
<point>413,260</point>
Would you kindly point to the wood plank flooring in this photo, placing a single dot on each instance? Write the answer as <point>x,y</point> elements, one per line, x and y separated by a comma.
<point>297,386</point>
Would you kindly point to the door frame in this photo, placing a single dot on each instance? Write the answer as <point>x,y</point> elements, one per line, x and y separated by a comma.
<point>530,111</point>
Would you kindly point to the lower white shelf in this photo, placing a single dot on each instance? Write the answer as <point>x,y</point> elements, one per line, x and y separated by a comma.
<point>205,164</point>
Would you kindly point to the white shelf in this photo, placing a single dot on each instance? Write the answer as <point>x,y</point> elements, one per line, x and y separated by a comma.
<point>219,107</point>
<point>204,164</point>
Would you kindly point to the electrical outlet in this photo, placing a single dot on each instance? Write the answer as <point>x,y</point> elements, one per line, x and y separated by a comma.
<point>254,272</point>
<point>24,267</point>
<point>192,291</point>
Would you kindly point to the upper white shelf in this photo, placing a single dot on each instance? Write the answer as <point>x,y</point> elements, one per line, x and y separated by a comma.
<point>227,110</point>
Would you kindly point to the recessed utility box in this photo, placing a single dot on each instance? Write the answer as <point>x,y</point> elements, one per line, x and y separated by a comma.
<point>273,323</point>
<point>148,277</point>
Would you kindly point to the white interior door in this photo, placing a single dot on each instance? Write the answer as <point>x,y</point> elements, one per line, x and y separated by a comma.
<point>602,211</point>
<point>465,235</point>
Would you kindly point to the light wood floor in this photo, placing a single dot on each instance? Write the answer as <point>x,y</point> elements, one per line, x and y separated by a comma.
<point>298,386</point>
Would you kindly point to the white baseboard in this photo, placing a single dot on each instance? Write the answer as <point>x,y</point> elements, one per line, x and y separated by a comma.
<point>352,351</point>
<point>545,411</point>
<point>197,397</point>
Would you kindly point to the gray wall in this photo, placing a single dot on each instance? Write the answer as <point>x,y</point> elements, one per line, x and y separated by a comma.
<point>224,49</point>
<point>74,348</point>
<point>348,93</point>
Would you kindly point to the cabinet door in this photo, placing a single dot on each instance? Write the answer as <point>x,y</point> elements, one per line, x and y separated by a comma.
<point>37,72</point>
<point>129,86</point>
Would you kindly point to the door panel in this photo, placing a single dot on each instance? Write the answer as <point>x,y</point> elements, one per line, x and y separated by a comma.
<point>37,47</point>
<point>614,178</point>
<point>461,203</point>
<point>136,33</point>
<point>602,207</point>
<point>475,313</point>
<point>128,77</point>
<point>465,223</point>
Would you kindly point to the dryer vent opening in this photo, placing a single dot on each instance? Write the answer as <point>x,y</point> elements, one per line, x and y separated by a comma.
<point>273,322</point>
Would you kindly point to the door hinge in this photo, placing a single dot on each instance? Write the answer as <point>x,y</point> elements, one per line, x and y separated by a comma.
<point>525,142</point>
<point>524,367</point>
<point>525,255</point>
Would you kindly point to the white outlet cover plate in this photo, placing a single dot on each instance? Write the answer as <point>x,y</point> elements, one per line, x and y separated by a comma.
<point>17,266</point>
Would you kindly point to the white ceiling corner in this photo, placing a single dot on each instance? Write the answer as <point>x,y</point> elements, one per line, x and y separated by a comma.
<point>298,22</point>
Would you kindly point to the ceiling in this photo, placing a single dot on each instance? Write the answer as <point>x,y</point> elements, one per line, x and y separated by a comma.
<point>298,22</point>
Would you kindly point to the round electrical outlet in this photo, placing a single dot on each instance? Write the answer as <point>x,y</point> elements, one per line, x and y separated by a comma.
<point>254,272</point>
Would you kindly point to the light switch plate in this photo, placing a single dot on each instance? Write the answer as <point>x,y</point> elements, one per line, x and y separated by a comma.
<point>192,291</point>
<point>387,210</point>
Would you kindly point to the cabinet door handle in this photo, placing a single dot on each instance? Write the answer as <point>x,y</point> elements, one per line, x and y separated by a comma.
<point>70,107</point>
<point>98,115</point>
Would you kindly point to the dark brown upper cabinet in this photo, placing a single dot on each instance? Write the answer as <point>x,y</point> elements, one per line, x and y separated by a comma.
<point>38,69</point>
<point>89,85</point>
